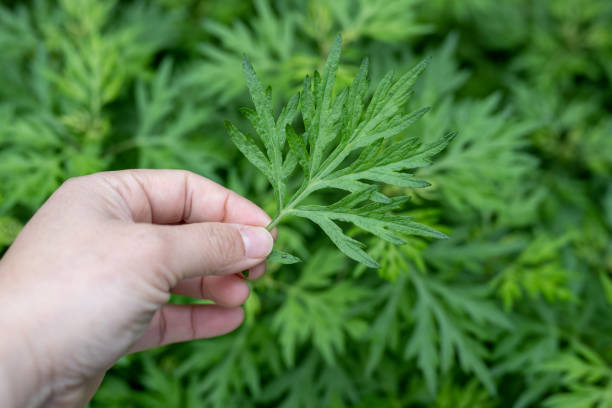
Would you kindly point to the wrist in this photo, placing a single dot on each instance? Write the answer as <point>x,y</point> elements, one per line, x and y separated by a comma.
<point>21,382</point>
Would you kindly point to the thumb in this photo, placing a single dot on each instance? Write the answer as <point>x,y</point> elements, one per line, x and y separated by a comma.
<point>210,248</point>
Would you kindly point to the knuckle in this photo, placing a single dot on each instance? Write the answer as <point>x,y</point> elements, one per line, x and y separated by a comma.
<point>81,181</point>
<point>71,192</point>
<point>162,327</point>
<point>225,242</point>
<point>154,249</point>
<point>71,184</point>
<point>78,185</point>
<point>149,244</point>
<point>157,244</point>
<point>188,174</point>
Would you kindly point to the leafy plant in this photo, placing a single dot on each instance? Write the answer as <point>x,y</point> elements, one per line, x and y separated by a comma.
<point>523,191</point>
<point>586,378</point>
<point>345,142</point>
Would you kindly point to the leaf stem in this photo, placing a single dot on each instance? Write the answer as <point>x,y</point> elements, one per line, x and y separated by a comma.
<point>280,198</point>
<point>275,221</point>
<point>295,201</point>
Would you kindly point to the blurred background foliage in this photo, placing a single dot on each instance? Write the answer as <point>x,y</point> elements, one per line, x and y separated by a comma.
<point>514,310</point>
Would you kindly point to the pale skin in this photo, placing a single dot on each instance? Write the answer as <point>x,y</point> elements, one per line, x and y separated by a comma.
<point>89,277</point>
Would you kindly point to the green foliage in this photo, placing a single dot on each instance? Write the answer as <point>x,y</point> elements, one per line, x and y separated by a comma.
<point>439,309</point>
<point>538,270</point>
<point>586,378</point>
<point>9,228</point>
<point>336,128</point>
<point>388,21</point>
<point>268,42</point>
<point>318,311</point>
<point>512,310</point>
<point>53,116</point>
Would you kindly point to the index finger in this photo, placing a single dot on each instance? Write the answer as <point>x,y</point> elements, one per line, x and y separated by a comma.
<point>174,196</point>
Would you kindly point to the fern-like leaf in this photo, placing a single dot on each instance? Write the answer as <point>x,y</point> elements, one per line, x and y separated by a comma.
<point>347,144</point>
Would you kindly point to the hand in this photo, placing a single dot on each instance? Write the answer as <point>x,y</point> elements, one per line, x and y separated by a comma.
<point>88,278</point>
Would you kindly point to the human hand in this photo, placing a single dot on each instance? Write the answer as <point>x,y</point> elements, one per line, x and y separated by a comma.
<point>88,278</point>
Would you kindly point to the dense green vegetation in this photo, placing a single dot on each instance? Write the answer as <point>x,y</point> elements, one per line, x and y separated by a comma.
<point>512,310</point>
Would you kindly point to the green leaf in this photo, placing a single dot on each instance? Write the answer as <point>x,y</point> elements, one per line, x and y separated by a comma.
<point>266,127</point>
<point>326,115</point>
<point>262,102</point>
<point>298,148</point>
<point>289,165</point>
<point>421,157</point>
<point>421,345</point>
<point>456,339</point>
<point>339,125</point>
<point>349,246</point>
<point>283,257</point>
<point>250,150</point>
<point>318,310</point>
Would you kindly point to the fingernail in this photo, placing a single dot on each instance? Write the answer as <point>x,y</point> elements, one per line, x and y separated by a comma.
<point>257,241</point>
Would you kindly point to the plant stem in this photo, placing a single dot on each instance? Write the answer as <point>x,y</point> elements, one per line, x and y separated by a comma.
<point>336,158</point>
<point>298,199</point>
<point>275,221</point>
<point>279,198</point>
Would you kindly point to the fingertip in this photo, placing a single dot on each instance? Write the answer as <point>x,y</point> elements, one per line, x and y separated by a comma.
<point>257,271</point>
<point>236,316</point>
<point>229,291</point>
<point>219,320</point>
<point>241,294</point>
<point>189,322</point>
<point>258,241</point>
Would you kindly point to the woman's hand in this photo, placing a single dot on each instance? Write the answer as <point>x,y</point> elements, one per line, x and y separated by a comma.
<point>88,278</point>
